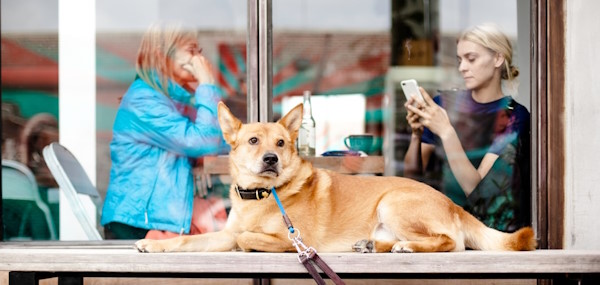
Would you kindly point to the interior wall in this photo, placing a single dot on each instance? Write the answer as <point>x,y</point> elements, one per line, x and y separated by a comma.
<point>582,118</point>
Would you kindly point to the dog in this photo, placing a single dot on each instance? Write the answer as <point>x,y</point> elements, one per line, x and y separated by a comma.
<point>332,211</point>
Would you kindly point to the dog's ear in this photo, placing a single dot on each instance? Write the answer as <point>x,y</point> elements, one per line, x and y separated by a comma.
<point>230,125</point>
<point>292,121</point>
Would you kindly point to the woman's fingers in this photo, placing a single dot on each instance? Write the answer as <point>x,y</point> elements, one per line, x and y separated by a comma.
<point>202,70</point>
<point>426,96</point>
<point>188,67</point>
<point>418,111</point>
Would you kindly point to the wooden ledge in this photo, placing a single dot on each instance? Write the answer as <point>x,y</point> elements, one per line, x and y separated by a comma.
<point>125,259</point>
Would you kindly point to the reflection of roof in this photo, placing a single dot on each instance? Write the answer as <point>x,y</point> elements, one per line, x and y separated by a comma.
<point>30,61</point>
<point>325,63</point>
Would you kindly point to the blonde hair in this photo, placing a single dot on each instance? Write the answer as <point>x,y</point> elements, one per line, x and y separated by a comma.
<point>159,43</point>
<point>490,37</point>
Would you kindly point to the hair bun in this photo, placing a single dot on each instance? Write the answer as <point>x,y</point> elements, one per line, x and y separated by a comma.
<point>514,71</point>
<point>510,75</point>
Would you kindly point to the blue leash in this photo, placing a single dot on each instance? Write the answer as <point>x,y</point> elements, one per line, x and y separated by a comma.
<point>307,254</point>
<point>286,219</point>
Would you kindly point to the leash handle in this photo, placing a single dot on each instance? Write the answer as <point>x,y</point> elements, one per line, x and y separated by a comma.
<point>286,219</point>
<point>326,269</point>
<point>305,253</point>
<point>312,270</point>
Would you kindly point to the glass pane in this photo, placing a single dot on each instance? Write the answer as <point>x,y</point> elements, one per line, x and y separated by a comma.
<point>352,56</point>
<point>340,52</point>
<point>29,118</point>
<point>220,31</point>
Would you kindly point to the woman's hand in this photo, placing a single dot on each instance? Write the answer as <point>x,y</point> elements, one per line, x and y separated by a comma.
<point>428,114</point>
<point>413,118</point>
<point>201,69</point>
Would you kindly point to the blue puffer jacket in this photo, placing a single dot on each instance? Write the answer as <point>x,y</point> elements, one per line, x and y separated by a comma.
<point>151,184</point>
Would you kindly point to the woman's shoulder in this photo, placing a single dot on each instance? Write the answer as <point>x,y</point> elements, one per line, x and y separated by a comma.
<point>140,90</point>
<point>518,109</point>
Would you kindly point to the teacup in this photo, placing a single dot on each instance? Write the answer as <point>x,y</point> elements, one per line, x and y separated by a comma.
<point>363,142</point>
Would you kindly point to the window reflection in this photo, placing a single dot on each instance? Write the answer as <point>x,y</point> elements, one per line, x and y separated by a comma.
<point>355,52</point>
<point>29,117</point>
<point>30,74</point>
<point>341,49</point>
<point>220,27</point>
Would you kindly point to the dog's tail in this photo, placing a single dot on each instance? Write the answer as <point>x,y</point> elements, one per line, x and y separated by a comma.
<point>479,236</point>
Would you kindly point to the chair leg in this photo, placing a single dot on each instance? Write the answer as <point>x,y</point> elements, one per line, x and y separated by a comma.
<point>26,214</point>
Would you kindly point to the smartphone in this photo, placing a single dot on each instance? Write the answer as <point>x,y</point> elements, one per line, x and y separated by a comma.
<point>410,87</point>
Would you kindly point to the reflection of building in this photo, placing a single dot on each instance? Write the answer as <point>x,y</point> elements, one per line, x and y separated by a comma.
<point>29,95</point>
<point>314,61</point>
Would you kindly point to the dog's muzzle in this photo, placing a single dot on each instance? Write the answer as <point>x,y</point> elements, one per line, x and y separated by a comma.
<point>270,163</point>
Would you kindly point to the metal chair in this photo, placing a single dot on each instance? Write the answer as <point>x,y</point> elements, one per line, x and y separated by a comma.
<point>72,179</point>
<point>18,183</point>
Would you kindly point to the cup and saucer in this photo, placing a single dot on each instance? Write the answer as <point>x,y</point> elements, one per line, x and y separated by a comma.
<point>358,145</point>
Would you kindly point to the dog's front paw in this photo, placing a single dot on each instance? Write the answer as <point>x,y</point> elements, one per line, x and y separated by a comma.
<point>148,245</point>
<point>364,246</point>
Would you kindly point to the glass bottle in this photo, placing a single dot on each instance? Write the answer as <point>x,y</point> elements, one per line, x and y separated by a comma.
<point>307,135</point>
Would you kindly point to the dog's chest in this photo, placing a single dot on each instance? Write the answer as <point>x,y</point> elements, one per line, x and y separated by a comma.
<point>262,219</point>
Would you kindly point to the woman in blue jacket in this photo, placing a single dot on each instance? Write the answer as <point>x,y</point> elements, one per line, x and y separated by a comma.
<point>167,117</point>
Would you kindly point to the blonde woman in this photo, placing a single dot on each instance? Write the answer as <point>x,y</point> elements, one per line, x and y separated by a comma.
<point>167,117</point>
<point>475,143</point>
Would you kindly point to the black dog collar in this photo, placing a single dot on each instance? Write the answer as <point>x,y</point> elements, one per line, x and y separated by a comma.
<point>252,194</point>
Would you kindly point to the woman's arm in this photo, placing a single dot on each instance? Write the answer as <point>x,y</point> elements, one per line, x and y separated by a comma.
<point>466,174</point>
<point>436,119</point>
<point>417,156</point>
<point>150,117</point>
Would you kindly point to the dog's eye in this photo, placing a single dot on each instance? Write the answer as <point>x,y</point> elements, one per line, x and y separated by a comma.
<point>280,143</point>
<point>253,140</point>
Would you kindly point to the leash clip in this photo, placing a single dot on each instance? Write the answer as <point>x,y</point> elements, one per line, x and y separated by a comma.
<point>304,252</point>
<point>307,254</point>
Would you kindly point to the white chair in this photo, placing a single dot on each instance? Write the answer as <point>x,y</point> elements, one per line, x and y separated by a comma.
<point>18,183</point>
<point>72,179</point>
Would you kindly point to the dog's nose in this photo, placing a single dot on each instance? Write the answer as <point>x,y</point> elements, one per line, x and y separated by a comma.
<point>270,158</point>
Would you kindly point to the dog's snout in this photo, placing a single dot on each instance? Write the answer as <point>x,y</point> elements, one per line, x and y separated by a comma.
<point>270,159</point>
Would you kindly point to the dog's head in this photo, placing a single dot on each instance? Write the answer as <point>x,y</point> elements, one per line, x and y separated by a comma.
<point>262,154</point>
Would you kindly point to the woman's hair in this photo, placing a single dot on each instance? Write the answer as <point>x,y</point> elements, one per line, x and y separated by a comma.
<point>40,130</point>
<point>159,43</point>
<point>490,37</point>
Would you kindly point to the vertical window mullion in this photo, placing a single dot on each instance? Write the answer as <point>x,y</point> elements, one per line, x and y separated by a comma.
<point>252,61</point>
<point>259,54</point>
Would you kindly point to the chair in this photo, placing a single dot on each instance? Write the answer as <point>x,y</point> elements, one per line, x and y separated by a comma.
<point>18,183</point>
<point>72,180</point>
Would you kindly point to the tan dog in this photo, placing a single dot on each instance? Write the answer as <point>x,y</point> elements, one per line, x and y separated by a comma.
<point>333,212</point>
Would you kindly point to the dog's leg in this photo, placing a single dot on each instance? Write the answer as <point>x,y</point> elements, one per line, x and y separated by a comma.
<point>427,244</point>
<point>381,240</point>
<point>250,241</point>
<point>215,241</point>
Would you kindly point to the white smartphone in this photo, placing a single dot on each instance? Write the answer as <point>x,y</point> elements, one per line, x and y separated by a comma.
<point>410,87</point>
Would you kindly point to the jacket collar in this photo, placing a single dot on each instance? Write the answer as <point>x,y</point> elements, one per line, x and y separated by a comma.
<point>176,91</point>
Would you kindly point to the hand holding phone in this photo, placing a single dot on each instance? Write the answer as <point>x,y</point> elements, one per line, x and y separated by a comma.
<point>410,88</point>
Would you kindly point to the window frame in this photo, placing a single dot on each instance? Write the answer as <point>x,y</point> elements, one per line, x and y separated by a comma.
<point>548,79</point>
